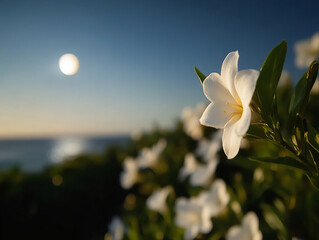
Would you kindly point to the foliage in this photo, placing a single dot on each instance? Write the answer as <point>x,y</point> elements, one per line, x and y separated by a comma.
<point>275,176</point>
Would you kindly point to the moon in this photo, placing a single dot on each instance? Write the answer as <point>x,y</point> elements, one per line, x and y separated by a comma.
<point>69,64</point>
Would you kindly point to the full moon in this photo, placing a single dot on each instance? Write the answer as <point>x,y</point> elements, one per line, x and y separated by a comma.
<point>69,64</point>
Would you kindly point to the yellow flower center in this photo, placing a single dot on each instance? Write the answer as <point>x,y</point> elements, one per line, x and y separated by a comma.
<point>238,109</point>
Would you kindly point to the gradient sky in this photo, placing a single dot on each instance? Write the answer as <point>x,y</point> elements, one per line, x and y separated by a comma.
<point>136,58</point>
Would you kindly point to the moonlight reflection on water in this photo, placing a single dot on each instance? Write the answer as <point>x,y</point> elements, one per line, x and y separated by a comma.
<point>67,147</point>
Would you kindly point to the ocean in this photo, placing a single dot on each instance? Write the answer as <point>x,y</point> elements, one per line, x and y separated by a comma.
<point>33,155</point>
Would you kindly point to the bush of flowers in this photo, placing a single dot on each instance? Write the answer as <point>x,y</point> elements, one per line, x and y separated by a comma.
<point>243,167</point>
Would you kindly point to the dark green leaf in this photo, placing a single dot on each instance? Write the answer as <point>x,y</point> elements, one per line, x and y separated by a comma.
<point>259,131</point>
<point>286,161</point>
<point>313,137</point>
<point>300,96</point>
<point>200,75</point>
<point>314,180</point>
<point>269,76</point>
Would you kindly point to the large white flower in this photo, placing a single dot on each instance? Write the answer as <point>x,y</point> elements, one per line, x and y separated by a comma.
<point>117,228</point>
<point>157,201</point>
<point>307,51</point>
<point>248,230</point>
<point>190,118</point>
<point>230,94</point>
<point>129,176</point>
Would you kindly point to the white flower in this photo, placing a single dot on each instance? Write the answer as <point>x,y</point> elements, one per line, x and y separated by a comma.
<point>203,174</point>
<point>149,156</point>
<point>190,118</point>
<point>200,174</point>
<point>129,176</point>
<point>259,175</point>
<point>307,51</point>
<point>217,198</point>
<point>193,216</point>
<point>230,94</point>
<point>285,79</point>
<point>315,87</point>
<point>117,228</point>
<point>157,201</point>
<point>207,149</point>
<point>190,165</point>
<point>248,230</point>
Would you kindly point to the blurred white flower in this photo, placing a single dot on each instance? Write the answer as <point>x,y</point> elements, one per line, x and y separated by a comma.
<point>136,135</point>
<point>244,144</point>
<point>200,174</point>
<point>217,197</point>
<point>259,175</point>
<point>129,175</point>
<point>315,87</point>
<point>190,118</point>
<point>190,165</point>
<point>248,230</point>
<point>203,174</point>
<point>230,94</point>
<point>149,156</point>
<point>117,228</point>
<point>306,51</point>
<point>207,149</point>
<point>193,216</point>
<point>285,79</point>
<point>235,206</point>
<point>157,201</point>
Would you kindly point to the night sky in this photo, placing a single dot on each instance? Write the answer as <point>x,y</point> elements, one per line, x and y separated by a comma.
<point>136,58</point>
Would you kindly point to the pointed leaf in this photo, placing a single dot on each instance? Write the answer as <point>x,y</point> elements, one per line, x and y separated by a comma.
<point>300,96</point>
<point>314,180</point>
<point>259,131</point>
<point>200,75</point>
<point>269,76</point>
<point>286,161</point>
<point>313,137</point>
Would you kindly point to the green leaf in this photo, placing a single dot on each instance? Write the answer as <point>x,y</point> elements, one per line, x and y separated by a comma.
<point>313,137</point>
<point>259,131</point>
<point>269,76</point>
<point>300,134</point>
<point>200,75</point>
<point>286,161</point>
<point>314,180</point>
<point>300,96</point>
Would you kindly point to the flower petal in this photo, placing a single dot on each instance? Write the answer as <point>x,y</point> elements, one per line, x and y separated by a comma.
<point>191,232</point>
<point>250,222</point>
<point>244,122</point>
<point>203,174</point>
<point>231,140</point>
<point>233,233</point>
<point>229,70</point>
<point>216,115</point>
<point>245,84</point>
<point>206,223</point>
<point>216,90</point>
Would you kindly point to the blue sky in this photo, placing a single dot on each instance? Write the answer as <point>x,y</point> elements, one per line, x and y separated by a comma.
<point>136,58</point>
